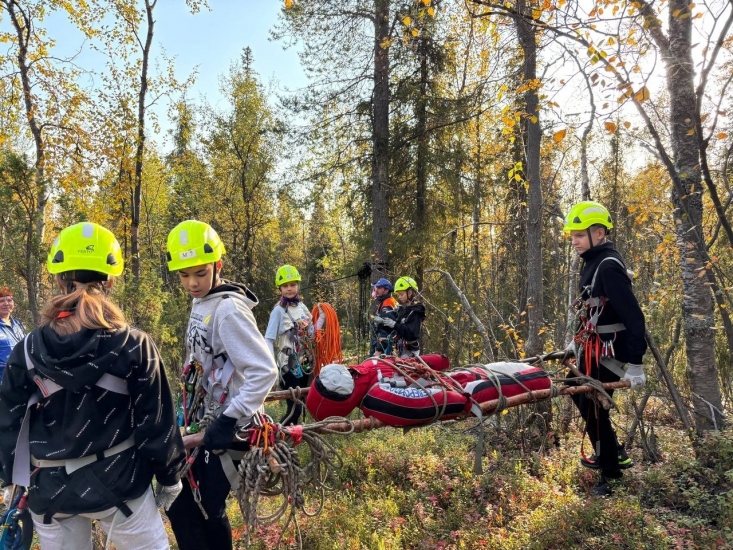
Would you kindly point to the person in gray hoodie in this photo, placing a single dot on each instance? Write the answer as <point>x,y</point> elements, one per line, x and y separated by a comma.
<point>235,373</point>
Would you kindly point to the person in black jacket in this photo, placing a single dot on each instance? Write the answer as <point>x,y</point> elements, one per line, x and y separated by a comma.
<point>410,315</point>
<point>609,343</point>
<point>86,412</point>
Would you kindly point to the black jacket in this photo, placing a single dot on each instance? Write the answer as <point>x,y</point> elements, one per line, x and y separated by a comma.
<point>83,419</point>
<point>614,284</point>
<point>409,321</point>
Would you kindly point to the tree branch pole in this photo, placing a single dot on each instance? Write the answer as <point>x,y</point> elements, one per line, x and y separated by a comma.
<point>366,424</point>
<point>662,364</point>
<point>480,328</point>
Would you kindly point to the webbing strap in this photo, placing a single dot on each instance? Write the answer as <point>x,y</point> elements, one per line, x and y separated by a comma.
<point>614,365</point>
<point>619,262</point>
<point>607,329</point>
<point>230,470</point>
<point>46,387</point>
<point>73,464</point>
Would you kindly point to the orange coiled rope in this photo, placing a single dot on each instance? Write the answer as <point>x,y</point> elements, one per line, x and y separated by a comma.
<point>327,339</point>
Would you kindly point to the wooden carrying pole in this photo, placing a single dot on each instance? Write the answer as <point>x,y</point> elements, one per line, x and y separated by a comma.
<point>365,424</point>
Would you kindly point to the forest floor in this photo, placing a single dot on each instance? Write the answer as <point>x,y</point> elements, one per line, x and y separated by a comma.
<point>418,491</point>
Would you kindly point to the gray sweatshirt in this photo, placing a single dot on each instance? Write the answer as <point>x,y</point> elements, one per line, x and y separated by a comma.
<point>238,367</point>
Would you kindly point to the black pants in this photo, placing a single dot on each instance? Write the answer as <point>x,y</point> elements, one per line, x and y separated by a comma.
<point>292,381</point>
<point>598,423</point>
<point>192,531</point>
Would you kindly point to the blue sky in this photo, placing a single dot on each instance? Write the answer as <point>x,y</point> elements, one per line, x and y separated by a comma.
<point>212,39</point>
<point>207,42</point>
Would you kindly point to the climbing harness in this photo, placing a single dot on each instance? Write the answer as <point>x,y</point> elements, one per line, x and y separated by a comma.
<point>589,343</point>
<point>23,459</point>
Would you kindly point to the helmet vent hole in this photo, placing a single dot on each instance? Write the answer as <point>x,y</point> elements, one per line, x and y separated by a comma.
<point>58,257</point>
<point>111,260</point>
<point>208,249</point>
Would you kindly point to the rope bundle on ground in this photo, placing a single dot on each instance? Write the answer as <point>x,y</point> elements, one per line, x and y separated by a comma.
<point>272,467</point>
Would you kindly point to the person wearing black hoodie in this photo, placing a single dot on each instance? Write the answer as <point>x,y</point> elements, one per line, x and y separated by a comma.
<point>609,342</point>
<point>410,316</point>
<point>86,413</point>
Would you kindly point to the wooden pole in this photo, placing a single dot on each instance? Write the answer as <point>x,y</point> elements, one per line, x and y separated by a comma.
<point>365,424</point>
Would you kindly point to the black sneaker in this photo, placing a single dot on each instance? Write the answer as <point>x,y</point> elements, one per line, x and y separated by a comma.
<point>624,461</point>
<point>601,489</point>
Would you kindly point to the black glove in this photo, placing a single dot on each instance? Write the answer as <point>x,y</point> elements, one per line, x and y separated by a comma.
<point>220,434</point>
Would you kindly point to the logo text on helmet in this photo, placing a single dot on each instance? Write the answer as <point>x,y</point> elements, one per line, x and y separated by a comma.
<point>186,254</point>
<point>88,250</point>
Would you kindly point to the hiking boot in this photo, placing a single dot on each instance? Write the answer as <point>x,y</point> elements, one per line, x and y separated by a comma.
<point>624,462</point>
<point>601,489</point>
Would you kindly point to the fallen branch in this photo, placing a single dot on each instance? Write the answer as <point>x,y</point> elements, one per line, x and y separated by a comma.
<point>480,328</point>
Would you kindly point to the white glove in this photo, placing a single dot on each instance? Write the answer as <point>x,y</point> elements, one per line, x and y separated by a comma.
<point>167,494</point>
<point>389,323</point>
<point>635,375</point>
<point>571,347</point>
<point>377,320</point>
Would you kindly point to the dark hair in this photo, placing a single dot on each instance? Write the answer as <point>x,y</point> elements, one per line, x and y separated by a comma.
<point>608,231</point>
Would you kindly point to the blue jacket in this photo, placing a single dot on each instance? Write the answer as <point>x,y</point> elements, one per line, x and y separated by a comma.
<point>9,336</point>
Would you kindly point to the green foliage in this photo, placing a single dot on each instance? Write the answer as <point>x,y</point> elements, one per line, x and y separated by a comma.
<point>417,491</point>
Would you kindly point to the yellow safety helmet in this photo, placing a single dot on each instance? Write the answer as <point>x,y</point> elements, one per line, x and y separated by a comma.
<point>405,283</point>
<point>193,243</point>
<point>286,274</point>
<point>587,213</point>
<point>87,247</point>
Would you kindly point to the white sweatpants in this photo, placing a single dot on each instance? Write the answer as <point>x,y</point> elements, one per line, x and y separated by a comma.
<point>143,530</point>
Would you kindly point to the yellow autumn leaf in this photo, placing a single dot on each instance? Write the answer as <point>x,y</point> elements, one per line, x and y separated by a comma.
<point>721,135</point>
<point>431,11</point>
<point>691,131</point>
<point>627,124</point>
<point>415,32</point>
<point>558,136</point>
<point>610,126</point>
<point>406,21</point>
<point>477,354</point>
<point>642,95</point>
<point>289,3</point>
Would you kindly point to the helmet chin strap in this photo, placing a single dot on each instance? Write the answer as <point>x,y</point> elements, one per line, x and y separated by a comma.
<point>215,273</point>
<point>590,237</point>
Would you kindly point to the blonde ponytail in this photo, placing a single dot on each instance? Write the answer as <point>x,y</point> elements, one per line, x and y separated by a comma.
<point>91,308</point>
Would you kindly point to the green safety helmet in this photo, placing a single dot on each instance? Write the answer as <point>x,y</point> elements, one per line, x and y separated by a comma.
<point>404,283</point>
<point>193,243</point>
<point>587,213</point>
<point>86,247</point>
<point>286,274</point>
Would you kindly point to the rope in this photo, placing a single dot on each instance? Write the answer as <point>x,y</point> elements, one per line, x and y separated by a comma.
<point>272,467</point>
<point>328,339</point>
